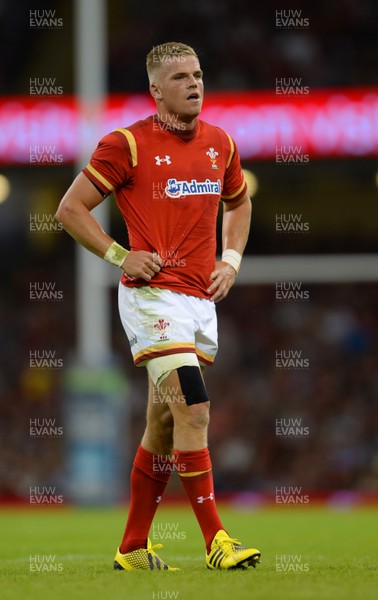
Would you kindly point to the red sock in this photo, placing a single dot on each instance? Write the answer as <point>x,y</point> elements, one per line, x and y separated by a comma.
<point>200,489</point>
<point>149,478</point>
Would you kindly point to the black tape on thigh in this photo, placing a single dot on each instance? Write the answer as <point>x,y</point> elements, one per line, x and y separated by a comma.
<point>192,385</point>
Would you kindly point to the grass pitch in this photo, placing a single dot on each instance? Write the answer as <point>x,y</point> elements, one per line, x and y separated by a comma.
<point>307,553</point>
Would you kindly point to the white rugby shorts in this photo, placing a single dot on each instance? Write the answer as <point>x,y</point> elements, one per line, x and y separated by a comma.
<point>159,322</point>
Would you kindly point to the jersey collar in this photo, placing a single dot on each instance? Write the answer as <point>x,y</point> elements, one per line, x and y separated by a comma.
<point>185,136</point>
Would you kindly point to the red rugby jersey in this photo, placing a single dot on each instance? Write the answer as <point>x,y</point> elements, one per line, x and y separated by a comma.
<point>168,187</point>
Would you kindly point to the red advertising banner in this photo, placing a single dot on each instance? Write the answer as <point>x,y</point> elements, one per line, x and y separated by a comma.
<point>318,123</point>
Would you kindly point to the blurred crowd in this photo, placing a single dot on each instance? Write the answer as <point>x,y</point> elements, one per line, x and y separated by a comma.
<point>242,45</point>
<point>312,425</point>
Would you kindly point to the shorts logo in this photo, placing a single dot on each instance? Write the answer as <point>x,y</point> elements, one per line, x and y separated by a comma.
<point>212,154</point>
<point>175,189</point>
<point>161,326</point>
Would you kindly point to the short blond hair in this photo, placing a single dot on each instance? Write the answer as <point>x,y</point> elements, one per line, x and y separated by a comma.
<point>165,54</point>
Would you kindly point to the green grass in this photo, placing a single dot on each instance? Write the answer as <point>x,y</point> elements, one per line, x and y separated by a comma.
<point>337,554</point>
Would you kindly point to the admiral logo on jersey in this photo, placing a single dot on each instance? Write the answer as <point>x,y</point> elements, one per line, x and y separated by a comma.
<point>175,189</point>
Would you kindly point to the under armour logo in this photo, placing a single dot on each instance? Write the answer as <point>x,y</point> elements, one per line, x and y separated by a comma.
<point>158,499</point>
<point>201,499</point>
<point>159,160</point>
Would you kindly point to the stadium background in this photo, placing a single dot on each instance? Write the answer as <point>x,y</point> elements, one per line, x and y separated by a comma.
<point>336,397</point>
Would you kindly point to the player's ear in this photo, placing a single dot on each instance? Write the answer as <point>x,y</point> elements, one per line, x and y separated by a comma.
<point>155,91</point>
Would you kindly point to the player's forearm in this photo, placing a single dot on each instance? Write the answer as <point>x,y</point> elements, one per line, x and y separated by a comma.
<point>83,227</point>
<point>236,226</point>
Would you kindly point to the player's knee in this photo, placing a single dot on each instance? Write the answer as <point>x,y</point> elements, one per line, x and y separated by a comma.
<point>162,423</point>
<point>194,417</point>
<point>160,436</point>
<point>191,418</point>
<point>166,426</point>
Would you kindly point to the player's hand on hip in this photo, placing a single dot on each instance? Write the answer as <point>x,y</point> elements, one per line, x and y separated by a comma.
<point>141,264</point>
<point>223,278</point>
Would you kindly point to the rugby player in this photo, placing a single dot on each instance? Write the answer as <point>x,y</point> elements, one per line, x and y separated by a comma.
<point>169,173</point>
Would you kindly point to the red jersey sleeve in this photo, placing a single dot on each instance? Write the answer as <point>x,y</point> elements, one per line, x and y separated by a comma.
<point>110,164</point>
<point>234,185</point>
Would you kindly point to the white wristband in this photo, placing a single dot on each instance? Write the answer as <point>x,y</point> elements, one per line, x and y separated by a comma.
<point>233,258</point>
<point>115,254</point>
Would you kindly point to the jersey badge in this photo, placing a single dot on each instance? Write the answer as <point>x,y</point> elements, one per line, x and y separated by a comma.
<point>212,154</point>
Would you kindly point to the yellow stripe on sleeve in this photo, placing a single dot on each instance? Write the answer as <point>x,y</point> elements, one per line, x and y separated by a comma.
<point>132,144</point>
<point>235,194</point>
<point>231,152</point>
<point>98,176</point>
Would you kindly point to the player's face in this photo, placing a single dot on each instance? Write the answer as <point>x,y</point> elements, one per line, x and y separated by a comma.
<point>179,91</point>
